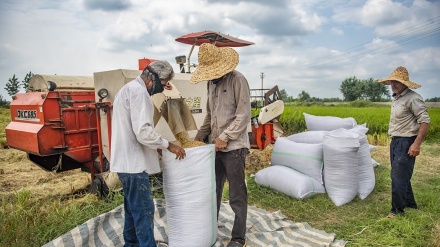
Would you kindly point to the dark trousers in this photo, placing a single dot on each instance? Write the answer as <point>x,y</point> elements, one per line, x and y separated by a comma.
<point>231,165</point>
<point>402,167</point>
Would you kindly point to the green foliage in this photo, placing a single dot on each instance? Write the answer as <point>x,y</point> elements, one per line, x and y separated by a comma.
<point>304,96</point>
<point>361,103</point>
<point>373,91</point>
<point>351,89</point>
<point>3,102</point>
<point>435,99</point>
<point>331,100</point>
<point>25,82</point>
<point>284,94</point>
<point>354,89</point>
<point>13,86</point>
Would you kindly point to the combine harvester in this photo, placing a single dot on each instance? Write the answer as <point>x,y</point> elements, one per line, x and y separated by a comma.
<point>64,122</point>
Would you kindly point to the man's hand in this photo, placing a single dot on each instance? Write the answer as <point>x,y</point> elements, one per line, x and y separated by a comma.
<point>168,86</point>
<point>414,150</point>
<point>177,150</point>
<point>219,144</point>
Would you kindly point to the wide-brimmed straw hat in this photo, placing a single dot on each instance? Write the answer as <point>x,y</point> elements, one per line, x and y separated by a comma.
<point>400,74</point>
<point>214,62</point>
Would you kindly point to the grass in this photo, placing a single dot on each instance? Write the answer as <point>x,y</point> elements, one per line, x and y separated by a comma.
<point>363,222</point>
<point>30,220</point>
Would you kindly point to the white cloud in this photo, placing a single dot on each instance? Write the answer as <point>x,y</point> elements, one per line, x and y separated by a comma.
<point>337,31</point>
<point>299,45</point>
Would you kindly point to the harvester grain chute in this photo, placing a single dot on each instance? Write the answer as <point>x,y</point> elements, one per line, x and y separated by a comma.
<point>64,122</point>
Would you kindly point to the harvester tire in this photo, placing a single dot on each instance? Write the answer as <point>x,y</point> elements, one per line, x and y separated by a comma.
<point>99,188</point>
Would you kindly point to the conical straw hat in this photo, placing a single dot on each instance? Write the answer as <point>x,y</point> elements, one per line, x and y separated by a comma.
<point>214,62</point>
<point>400,74</point>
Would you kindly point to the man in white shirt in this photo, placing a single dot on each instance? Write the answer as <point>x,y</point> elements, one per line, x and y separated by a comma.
<point>135,149</point>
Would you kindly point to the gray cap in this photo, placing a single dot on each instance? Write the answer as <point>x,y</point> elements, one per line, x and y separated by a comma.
<point>163,69</point>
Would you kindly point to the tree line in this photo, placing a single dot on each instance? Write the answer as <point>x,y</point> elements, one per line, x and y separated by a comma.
<point>352,89</point>
<point>13,87</point>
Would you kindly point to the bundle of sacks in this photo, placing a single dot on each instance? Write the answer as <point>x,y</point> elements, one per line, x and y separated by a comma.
<point>332,157</point>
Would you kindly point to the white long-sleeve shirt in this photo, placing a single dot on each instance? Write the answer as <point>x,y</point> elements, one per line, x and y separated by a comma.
<point>134,142</point>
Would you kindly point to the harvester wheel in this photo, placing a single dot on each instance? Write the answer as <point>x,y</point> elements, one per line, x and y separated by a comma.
<point>99,188</point>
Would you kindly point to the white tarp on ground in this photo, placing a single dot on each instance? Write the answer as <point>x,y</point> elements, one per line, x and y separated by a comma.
<point>263,229</point>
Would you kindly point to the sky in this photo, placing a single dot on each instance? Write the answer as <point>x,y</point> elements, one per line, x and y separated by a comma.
<point>300,45</point>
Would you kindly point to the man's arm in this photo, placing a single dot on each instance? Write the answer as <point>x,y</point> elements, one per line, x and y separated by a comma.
<point>414,150</point>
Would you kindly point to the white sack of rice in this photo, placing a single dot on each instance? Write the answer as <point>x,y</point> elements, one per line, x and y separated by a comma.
<point>189,190</point>
<point>313,137</point>
<point>288,181</point>
<point>303,157</point>
<point>328,123</point>
<point>341,165</point>
<point>367,179</point>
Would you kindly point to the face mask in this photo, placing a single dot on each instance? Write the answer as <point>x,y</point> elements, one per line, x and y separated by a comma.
<point>157,84</point>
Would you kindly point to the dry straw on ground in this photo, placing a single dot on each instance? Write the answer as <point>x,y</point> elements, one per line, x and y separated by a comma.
<point>17,173</point>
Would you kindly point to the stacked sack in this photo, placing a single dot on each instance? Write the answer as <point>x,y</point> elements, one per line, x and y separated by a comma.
<point>332,157</point>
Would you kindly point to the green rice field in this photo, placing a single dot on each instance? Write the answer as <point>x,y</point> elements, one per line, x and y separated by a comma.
<point>375,117</point>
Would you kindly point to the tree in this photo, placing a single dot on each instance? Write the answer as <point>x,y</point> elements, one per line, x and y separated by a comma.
<point>13,86</point>
<point>435,99</point>
<point>3,102</point>
<point>373,91</point>
<point>354,89</point>
<point>304,96</point>
<point>284,94</point>
<point>25,82</point>
<point>351,89</point>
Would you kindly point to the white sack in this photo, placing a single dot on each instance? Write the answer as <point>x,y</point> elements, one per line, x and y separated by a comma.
<point>367,178</point>
<point>189,189</point>
<point>288,181</point>
<point>374,162</point>
<point>340,149</point>
<point>328,123</point>
<point>302,157</point>
<point>313,137</point>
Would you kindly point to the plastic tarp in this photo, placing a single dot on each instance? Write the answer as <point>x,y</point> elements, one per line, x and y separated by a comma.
<point>262,229</point>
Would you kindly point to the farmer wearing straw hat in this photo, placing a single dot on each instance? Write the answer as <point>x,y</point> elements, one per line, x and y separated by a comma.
<point>227,117</point>
<point>409,124</point>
